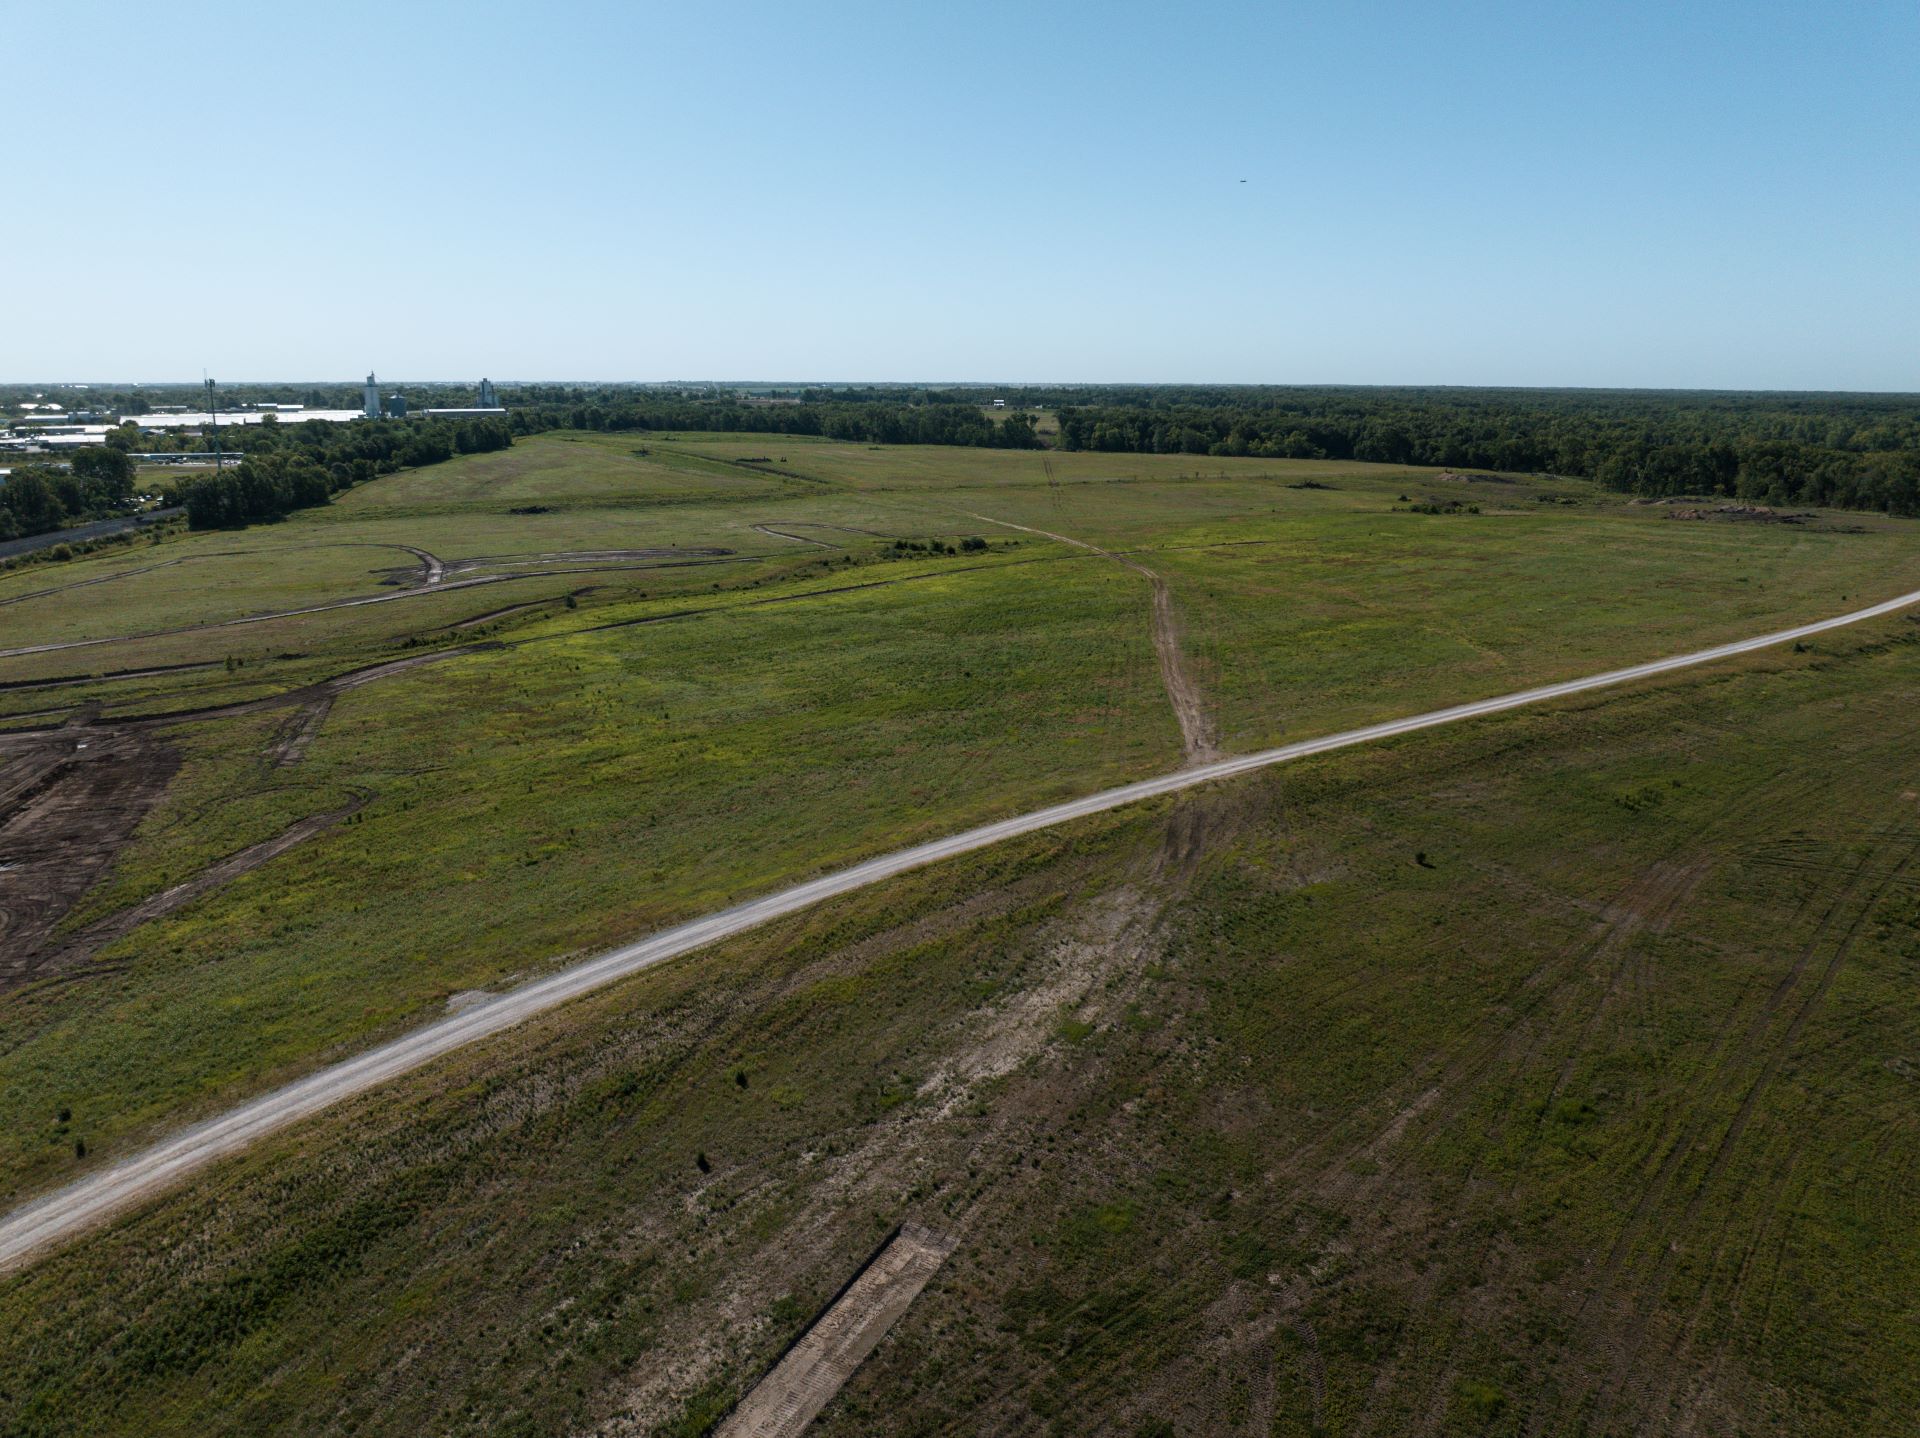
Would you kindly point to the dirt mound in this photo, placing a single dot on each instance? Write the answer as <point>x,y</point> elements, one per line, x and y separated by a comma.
<point>1756,512</point>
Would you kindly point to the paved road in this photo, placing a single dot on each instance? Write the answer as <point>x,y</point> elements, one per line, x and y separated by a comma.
<point>31,1230</point>
<point>96,530</point>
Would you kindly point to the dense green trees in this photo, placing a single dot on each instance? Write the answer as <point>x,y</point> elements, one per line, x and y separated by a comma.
<point>296,466</point>
<point>864,422</point>
<point>1853,451</point>
<point>1848,450</point>
<point>37,498</point>
<point>262,486</point>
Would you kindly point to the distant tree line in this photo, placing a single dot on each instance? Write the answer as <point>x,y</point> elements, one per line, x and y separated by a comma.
<point>1845,450</point>
<point>37,499</point>
<point>1857,451</point>
<point>864,422</point>
<point>297,466</point>
<point>1850,451</point>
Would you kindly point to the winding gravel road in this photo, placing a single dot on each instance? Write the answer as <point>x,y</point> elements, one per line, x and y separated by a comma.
<point>31,1230</point>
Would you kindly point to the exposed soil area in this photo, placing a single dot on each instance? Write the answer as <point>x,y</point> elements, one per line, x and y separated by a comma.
<point>291,744</point>
<point>306,696</point>
<point>1757,512</point>
<point>65,957</point>
<point>72,795</point>
<point>69,798</point>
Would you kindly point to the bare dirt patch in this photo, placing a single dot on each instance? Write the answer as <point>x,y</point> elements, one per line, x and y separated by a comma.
<point>290,747</point>
<point>69,798</point>
<point>1754,513</point>
<point>64,958</point>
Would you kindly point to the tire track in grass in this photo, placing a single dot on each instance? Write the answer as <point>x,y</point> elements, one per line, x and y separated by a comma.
<point>1445,1092</point>
<point>1599,1316</point>
<point>1840,927</point>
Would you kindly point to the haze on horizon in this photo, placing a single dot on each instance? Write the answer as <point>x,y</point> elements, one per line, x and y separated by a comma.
<point>1632,196</point>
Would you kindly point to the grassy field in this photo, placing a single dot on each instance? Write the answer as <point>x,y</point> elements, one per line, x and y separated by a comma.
<point>1551,1074</point>
<point>1270,1051</point>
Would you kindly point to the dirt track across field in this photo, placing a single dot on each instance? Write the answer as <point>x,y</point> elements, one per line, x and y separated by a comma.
<point>1189,706</point>
<point>257,618</point>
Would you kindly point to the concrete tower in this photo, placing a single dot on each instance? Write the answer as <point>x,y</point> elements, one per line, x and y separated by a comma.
<point>487,398</point>
<point>372,397</point>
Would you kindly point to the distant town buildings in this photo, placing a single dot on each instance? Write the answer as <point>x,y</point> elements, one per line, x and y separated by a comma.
<point>488,407</point>
<point>44,426</point>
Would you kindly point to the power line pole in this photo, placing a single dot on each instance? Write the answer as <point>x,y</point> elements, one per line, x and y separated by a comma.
<point>213,410</point>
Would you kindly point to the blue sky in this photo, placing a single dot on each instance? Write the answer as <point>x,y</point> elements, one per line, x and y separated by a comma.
<point>1707,194</point>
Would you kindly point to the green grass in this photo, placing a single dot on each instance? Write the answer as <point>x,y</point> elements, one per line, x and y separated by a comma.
<point>616,767</point>
<point>1600,1119</point>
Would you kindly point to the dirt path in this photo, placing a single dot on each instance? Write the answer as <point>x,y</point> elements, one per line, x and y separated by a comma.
<point>796,538</point>
<point>305,695</point>
<point>1197,734</point>
<point>256,618</point>
<point>546,603</point>
<point>794,524</point>
<point>814,1369</point>
<point>643,558</point>
<point>432,570</point>
<point>291,746</point>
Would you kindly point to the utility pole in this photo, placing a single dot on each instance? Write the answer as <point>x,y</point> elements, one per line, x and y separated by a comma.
<point>213,409</point>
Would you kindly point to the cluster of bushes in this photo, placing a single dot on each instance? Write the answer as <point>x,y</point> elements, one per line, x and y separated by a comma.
<point>972,544</point>
<point>289,467</point>
<point>37,499</point>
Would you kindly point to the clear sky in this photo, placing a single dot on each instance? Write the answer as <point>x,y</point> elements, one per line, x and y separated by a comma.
<point>1648,192</point>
